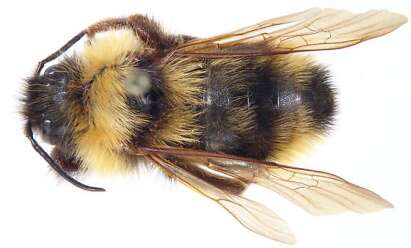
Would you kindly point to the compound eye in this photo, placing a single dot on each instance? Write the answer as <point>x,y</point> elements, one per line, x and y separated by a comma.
<point>56,74</point>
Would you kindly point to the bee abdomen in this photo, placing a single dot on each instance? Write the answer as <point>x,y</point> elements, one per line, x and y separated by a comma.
<point>263,108</point>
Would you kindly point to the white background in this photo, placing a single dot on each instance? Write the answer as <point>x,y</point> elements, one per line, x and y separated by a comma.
<point>369,145</point>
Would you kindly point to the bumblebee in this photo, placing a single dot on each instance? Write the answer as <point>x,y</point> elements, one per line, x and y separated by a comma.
<point>216,114</point>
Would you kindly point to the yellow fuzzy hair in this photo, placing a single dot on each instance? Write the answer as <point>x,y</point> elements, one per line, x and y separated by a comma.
<point>108,124</point>
<point>184,80</point>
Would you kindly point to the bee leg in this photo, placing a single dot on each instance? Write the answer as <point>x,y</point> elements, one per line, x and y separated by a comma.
<point>150,32</point>
<point>145,28</point>
<point>102,26</point>
<point>68,163</point>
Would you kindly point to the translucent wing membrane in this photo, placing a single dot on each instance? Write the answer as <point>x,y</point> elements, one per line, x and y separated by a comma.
<point>223,177</point>
<point>317,192</point>
<point>250,214</point>
<point>310,30</point>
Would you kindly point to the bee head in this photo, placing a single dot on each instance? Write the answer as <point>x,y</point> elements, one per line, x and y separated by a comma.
<point>44,103</point>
